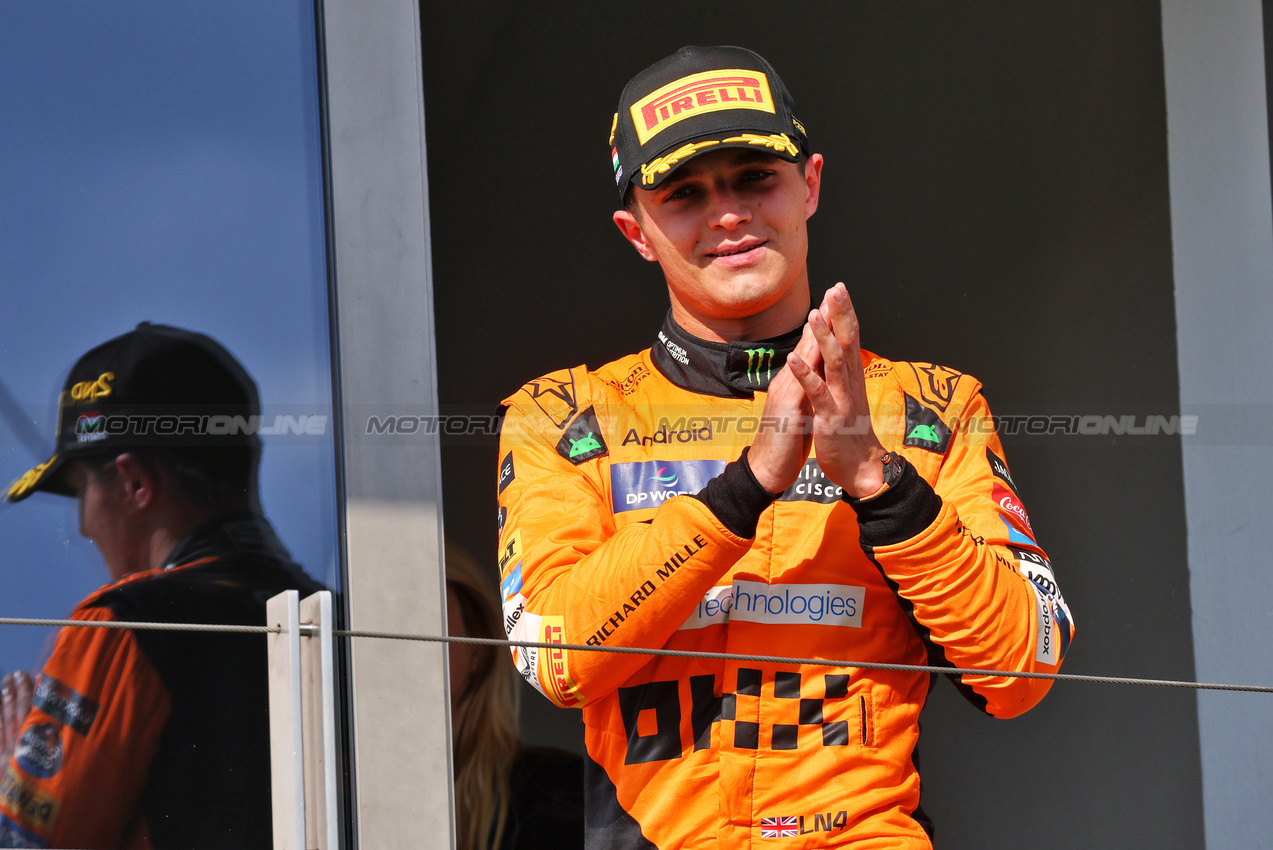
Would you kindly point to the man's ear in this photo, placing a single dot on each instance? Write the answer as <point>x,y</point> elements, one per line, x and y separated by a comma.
<point>138,480</point>
<point>812,183</point>
<point>630,227</point>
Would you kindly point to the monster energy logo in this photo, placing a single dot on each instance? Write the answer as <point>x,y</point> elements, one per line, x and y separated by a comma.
<point>757,359</point>
<point>586,443</point>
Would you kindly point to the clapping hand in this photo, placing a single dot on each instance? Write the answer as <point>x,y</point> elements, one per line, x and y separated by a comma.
<point>15,702</point>
<point>848,451</point>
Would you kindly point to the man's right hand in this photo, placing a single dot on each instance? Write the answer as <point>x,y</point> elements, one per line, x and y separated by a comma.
<point>783,441</point>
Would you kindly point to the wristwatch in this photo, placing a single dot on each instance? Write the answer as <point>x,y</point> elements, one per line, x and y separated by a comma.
<point>893,462</point>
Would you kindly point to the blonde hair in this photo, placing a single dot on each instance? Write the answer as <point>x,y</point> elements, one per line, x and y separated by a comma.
<point>484,725</point>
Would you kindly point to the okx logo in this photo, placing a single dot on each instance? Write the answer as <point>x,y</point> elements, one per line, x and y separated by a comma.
<point>759,360</point>
<point>650,483</point>
<point>806,711</point>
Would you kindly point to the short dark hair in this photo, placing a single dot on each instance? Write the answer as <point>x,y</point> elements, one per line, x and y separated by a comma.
<point>213,477</point>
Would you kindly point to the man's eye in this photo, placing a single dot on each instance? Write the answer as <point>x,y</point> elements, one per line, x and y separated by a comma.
<point>679,193</point>
<point>758,174</point>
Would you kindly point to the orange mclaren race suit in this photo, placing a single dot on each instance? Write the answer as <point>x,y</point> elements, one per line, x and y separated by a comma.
<point>627,520</point>
<point>157,738</point>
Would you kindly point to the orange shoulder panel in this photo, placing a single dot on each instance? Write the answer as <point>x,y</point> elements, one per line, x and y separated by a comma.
<point>97,715</point>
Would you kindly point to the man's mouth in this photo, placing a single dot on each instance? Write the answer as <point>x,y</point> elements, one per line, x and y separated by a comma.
<point>733,252</point>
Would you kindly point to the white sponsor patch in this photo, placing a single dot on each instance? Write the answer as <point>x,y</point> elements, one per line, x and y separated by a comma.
<point>789,604</point>
<point>514,607</point>
<point>1037,569</point>
<point>1046,648</point>
<point>1043,577</point>
<point>526,658</point>
<point>713,609</point>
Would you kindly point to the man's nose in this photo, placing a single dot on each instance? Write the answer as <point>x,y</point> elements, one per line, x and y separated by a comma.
<point>729,210</point>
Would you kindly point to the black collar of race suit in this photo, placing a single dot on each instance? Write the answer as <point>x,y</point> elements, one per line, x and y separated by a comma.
<point>244,533</point>
<point>726,369</point>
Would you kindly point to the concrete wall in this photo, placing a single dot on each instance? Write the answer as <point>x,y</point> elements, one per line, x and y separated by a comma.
<point>378,201</point>
<point>1222,229</point>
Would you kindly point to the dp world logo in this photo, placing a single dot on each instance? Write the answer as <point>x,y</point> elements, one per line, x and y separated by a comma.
<point>665,476</point>
<point>758,360</point>
<point>650,483</point>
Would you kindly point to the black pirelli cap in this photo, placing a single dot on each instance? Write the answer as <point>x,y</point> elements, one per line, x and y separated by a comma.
<point>698,100</point>
<point>154,386</point>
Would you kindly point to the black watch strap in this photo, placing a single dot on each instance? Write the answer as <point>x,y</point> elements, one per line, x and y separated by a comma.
<point>900,510</point>
<point>893,465</point>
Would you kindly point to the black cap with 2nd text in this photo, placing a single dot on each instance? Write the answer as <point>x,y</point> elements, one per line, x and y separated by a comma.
<point>154,386</point>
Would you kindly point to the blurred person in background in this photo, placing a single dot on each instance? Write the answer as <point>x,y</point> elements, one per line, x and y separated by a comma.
<point>507,796</point>
<point>153,738</point>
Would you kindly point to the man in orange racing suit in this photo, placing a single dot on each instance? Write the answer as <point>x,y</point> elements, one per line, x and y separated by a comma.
<point>154,738</point>
<point>755,483</point>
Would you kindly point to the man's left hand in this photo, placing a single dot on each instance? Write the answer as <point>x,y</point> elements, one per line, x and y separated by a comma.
<point>848,451</point>
<point>15,702</point>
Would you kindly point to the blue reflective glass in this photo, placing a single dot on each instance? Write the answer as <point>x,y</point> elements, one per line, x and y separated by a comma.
<point>159,161</point>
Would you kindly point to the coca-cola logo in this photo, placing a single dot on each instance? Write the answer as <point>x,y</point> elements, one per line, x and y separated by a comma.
<point>1009,504</point>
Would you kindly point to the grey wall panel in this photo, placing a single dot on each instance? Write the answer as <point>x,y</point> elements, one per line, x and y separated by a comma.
<point>384,303</point>
<point>996,198</point>
<point>1222,229</point>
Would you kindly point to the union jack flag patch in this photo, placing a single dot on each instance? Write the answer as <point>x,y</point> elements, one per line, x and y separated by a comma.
<point>778,827</point>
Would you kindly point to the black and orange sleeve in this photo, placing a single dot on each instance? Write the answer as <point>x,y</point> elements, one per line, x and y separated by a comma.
<point>97,715</point>
<point>958,547</point>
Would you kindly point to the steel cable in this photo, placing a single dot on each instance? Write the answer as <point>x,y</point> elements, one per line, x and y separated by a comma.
<point>120,624</point>
<point>662,653</point>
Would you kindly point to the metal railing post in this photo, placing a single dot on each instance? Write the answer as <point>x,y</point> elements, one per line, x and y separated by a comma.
<point>287,777</point>
<point>318,701</point>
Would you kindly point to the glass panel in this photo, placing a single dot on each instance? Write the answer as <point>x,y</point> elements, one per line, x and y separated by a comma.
<point>161,162</point>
